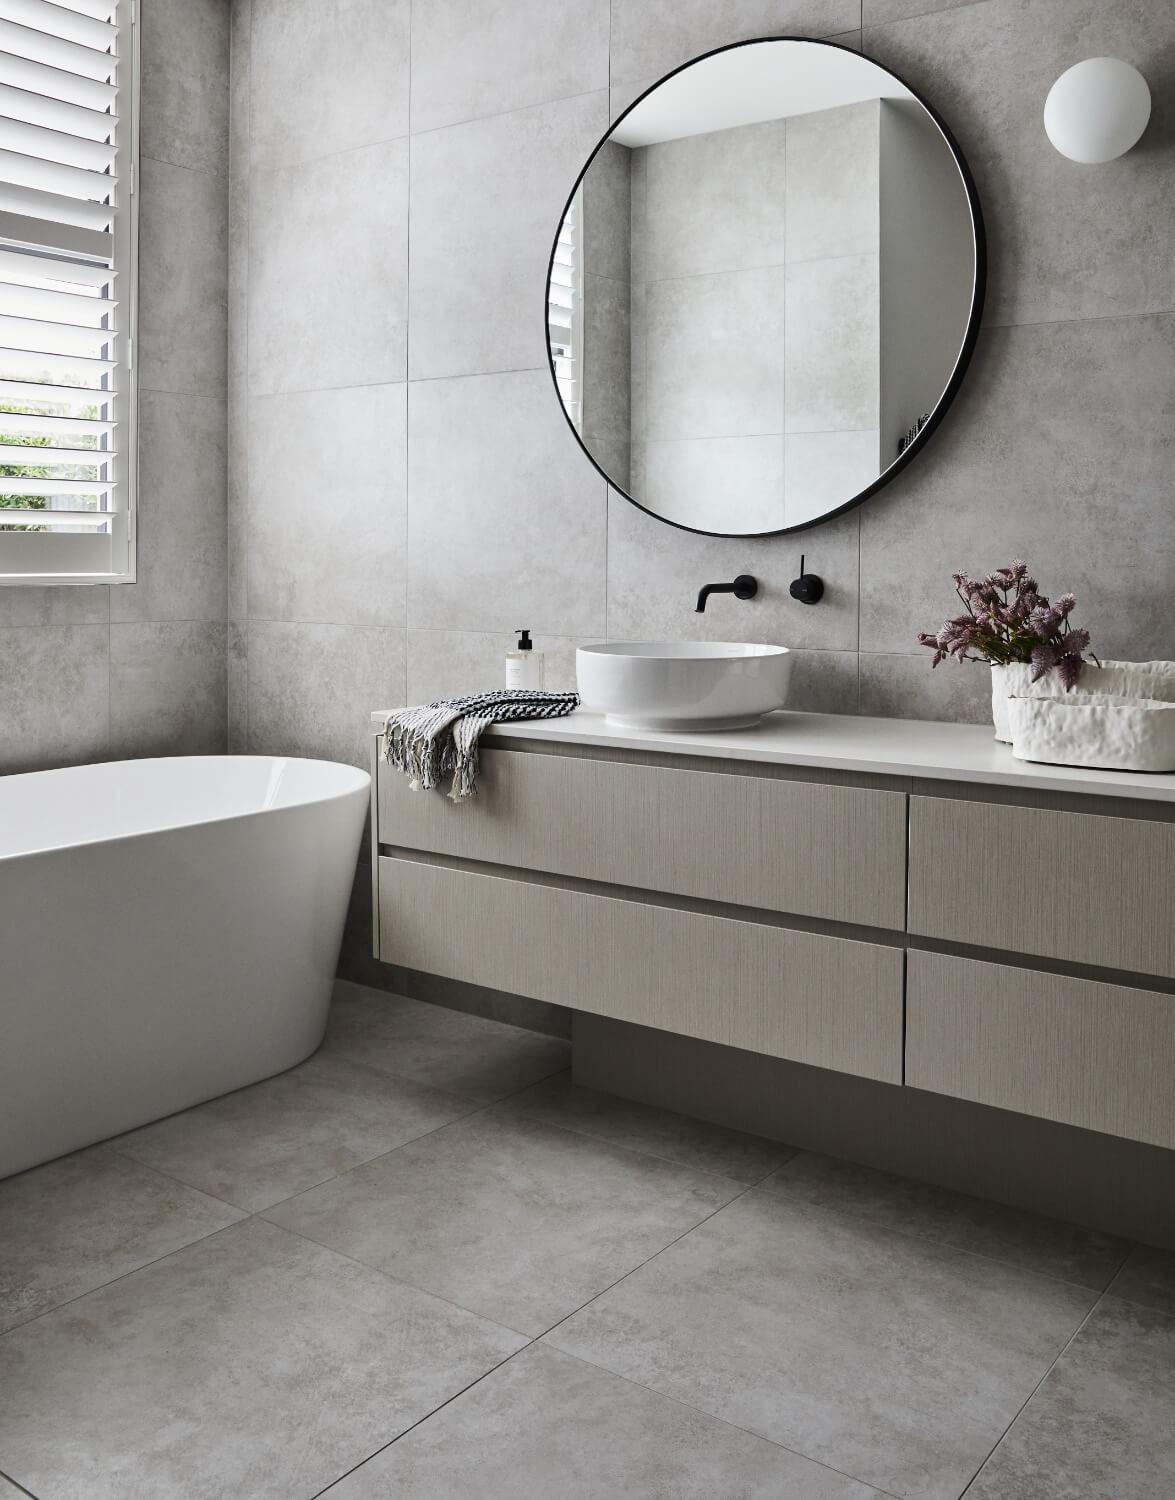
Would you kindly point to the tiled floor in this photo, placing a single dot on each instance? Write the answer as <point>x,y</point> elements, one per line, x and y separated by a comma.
<point>423,1265</point>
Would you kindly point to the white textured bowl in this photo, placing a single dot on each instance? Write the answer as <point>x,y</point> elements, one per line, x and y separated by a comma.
<point>683,685</point>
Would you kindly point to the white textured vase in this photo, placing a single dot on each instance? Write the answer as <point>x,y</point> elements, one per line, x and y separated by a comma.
<point>1154,680</point>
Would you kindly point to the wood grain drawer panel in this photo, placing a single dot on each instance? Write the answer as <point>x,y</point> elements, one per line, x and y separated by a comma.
<point>1072,886</point>
<point>835,852</point>
<point>829,1001</point>
<point>1101,1056</point>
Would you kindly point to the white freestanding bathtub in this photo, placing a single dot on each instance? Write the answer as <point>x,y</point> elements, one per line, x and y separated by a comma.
<point>169,931</point>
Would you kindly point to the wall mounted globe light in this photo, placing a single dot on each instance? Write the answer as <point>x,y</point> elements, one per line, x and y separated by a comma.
<point>1097,110</point>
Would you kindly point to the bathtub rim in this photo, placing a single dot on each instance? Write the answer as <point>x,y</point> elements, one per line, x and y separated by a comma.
<point>357,782</point>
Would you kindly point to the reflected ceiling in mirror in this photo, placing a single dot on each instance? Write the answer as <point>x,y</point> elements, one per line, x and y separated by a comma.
<point>765,288</point>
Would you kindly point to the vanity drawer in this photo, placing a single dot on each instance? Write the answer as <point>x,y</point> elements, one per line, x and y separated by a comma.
<point>1075,886</point>
<point>829,1001</point>
<point>1101,1056</point>
<point>818,850</point>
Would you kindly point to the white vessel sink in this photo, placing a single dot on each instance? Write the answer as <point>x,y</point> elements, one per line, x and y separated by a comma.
<point>682,685</point>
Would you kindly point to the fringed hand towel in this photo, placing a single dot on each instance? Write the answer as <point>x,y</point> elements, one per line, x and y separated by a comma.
<point>439,739</point>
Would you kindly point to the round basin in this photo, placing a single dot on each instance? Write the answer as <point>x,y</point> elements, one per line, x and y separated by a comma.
<point>683,685</point>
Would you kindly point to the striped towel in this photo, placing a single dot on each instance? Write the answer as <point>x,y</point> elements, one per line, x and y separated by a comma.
<point>435,740</point>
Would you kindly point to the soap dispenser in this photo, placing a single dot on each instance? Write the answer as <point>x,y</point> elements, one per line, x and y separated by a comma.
<point>524,665</point>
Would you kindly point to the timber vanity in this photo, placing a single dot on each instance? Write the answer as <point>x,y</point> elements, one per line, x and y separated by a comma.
<point>897,902</point>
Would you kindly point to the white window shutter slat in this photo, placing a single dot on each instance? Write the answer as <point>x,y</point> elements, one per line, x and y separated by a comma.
<point>66,243</point>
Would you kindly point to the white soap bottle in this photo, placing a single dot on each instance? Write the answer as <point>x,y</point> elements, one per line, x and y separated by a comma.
<point>524,665</point>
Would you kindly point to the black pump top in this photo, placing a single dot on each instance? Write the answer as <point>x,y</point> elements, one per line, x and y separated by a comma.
<point>524,641</point>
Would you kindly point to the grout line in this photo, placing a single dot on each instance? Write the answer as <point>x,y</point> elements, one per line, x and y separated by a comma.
<point>722,1421</point>
<point>16,1485</point>
<point>921,15</point>
<point>929,1239</point>
<point>1060,1355</point>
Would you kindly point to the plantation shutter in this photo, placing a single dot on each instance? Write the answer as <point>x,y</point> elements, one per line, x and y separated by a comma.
<point>565,310</point>
<point>66,290</point>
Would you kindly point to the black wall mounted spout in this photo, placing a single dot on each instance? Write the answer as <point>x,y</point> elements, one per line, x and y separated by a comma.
<point>743,587</point>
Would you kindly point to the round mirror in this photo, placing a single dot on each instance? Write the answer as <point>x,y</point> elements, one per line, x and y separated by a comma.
<point>765,288</point>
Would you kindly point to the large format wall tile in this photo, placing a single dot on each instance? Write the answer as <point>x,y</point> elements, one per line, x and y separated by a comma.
<point>54,688</point>
<point>181,521</point>
<point>184,64</point>
<point>1060,451</point>
<point>328,271</point>
<point>327,481</point>
<point>833,182</point>
<point>1067,241</point>
<point>651,36</point>
<point>506,518</point>
<point>442,663</point>
<point>327,77</point>
<point>473,60</point>
<point>907,687</point>
<point>183,279</point>
<point>486,202</point>
<point>312,687</point>
<point>655,572</point>
<point>167,688</point>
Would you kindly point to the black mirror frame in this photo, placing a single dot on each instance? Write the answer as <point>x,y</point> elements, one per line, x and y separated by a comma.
<point>966,350</point>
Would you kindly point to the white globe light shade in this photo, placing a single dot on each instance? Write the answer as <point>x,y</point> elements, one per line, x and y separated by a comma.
<point>1097,109</point>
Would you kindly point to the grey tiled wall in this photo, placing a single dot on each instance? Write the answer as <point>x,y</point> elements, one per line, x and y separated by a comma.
<point>111,671</point>
<point>404,490</point>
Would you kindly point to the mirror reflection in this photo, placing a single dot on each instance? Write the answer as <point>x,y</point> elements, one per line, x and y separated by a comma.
<point>763,287</point>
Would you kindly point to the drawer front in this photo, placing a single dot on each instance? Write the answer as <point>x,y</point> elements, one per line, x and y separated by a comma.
<point>1074,886</point>
<point>1101,1056</point>
<point>821,851</point>
<point>829,1001</point>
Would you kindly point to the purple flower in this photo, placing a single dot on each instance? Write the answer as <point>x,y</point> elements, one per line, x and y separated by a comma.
<point>1008,620</point>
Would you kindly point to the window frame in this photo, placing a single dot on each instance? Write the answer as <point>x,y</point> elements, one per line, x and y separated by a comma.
<point>64,559</point>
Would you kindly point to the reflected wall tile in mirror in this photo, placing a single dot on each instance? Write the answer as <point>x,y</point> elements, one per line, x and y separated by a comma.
<point>1060,450</point>
<point>824,469</point>
<point>470,61</point>
<point>833,346</point>
<point>833,170</point>
<point>714,355</point>
<point>649,37</point>
<point>486,201</point>
<point>732,484</point>
<point>655,572</point>
<point>506,518</point>
<point>607,213</point>
<point>1066,241</point>
<point>715,202</point>
<point>606,361</point>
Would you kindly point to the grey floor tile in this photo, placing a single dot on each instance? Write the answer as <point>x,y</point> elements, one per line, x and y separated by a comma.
<point>641,1127</point>
<point>1054,1248</point>
<point>892,1359</point>
<point>545,1424</point>
<point>1148,1277</point>
<point>77,1223</point>
<point>519,1221</point>
<point>267,1142</point>
<point>446,1049</point>
<point>251,1364</point>
<point>1101,1426</point>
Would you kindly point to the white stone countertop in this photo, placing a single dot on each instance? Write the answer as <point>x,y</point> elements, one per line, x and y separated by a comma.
<point>845,742</point>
